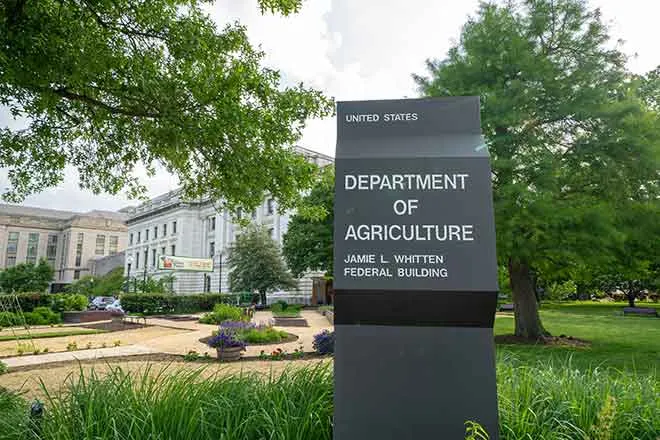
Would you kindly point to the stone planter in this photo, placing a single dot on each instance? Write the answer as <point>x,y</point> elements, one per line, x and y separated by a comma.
<point>229,353</point>
<point>331,316</point>
<point>86,316</point>
<point>290,322</point>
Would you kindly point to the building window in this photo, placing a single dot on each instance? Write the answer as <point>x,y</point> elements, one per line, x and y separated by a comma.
<point>212,249</point>
<point>162,250</point>
<point>32,246</point>
<point>254,214</point>
<point>12,248</point>
<point>270,206</point>
<point>51,249</point>
<point>63,255</point>
<point>146,259</point>
<point>79,247</point>
<point>164,229</point>
<point>130,238</point>
<point>138,240</point>
<point>76,274</point>
<point>137,260</point>
<point>207,283</point>
<point>146,235</point>
<point>271,232</point>
<point>153,257</point>
<point>155,232</point>
<point>174,227</point>
<point>100,245</point>
<point>114,244</point>
<point>173,249</point>
<point>212,223</point>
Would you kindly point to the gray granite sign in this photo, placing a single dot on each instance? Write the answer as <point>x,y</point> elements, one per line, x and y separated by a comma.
<point>415,271</point>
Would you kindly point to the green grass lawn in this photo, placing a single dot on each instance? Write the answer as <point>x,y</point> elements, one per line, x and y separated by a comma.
<point>622,342</point>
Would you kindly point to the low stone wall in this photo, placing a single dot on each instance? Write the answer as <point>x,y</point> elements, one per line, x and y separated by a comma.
<point>290,322</point>
<point>86,316</point>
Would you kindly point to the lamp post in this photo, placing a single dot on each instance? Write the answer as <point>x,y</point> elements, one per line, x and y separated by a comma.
<point>219,272</point>
<point>129,260</point>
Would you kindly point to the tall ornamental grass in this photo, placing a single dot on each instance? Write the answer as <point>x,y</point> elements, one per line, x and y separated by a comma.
<point>541,402</point>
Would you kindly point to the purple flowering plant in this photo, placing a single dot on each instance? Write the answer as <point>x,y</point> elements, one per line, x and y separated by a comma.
<point>225,338</point>
<point>324,342</point>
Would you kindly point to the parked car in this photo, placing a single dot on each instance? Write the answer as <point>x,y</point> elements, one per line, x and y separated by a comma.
<point>115,308</point>
<point>101,302</point>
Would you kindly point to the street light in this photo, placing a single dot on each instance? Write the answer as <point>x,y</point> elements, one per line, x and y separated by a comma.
<point>129,260</point>
<point>219,255</point>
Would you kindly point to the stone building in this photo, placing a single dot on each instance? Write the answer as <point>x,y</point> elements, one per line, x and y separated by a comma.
<point>69,241</point>
<point>170,225</point>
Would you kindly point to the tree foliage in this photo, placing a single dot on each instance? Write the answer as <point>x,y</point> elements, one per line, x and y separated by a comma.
<point>256,264</point>
<point>308,243</point>
<point>572,137</point>
<point>128,84</point>
<point>26,277</point>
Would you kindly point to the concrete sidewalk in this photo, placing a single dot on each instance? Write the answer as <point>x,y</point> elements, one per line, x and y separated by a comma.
<point>69,356</point>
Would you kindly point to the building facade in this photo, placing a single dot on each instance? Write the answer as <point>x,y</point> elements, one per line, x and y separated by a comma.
<point>69,241</point>
<point>170,225</point>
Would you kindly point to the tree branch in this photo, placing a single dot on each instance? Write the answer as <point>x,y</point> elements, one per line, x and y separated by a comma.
<point>64,93</point>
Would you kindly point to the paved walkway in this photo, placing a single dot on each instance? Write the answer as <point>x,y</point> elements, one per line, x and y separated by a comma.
<point>98,353</point>
<point>182,343</point>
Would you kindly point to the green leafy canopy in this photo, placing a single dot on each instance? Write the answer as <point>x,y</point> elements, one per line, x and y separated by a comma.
<point>572,134</point>
<point>308,243</point>
<point>111,86</point>
<point>26,277</point>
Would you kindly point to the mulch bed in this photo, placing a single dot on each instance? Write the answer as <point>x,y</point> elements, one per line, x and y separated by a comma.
<point>290,338</point>
<point>558,341</point>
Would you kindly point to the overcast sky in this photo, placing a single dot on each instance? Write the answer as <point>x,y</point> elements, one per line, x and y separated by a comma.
<point>359,49</point>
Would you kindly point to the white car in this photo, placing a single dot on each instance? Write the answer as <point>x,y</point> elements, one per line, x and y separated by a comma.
<point>115,307</point>
<point>101,302</point>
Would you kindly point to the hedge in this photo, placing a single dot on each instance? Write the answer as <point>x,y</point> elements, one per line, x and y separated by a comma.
<point>58,302</point>
<point>163,303</point>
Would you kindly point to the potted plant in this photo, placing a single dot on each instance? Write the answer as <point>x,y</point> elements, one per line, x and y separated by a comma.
<point>227,344</point>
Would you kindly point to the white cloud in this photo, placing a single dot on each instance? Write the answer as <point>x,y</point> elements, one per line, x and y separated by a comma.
<point>364,49</point>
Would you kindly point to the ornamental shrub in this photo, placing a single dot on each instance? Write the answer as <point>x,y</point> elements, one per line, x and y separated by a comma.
<point>223,312</point>
<point>324,342</point>
<point>163,303</point>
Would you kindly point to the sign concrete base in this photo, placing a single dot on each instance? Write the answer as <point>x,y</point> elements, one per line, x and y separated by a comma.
<point>395,383</point>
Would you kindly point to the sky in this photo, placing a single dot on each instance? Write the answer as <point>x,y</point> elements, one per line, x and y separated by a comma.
<point>354,50</point>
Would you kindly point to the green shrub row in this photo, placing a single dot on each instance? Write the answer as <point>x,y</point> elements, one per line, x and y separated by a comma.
<point>58,302</point>
<point>39,316</point>
<point>163,303</point>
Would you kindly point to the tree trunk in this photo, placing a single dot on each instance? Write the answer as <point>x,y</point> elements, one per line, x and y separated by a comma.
<point>631,298</point>
<point>526,307</point>
<point>262,296</point>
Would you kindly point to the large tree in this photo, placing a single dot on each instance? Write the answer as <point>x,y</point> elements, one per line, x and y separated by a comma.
<point>26,277</point>
<point>110,86</point>
<point>256,264</point>
<point>570,138</point>
<point>308,243</point>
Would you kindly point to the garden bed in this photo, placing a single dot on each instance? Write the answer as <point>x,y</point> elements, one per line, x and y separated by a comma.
<point>86,316</point>
<point>282,321</point>
<point>290,338</point>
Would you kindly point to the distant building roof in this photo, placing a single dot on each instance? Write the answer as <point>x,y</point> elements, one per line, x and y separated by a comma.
<point>57,214</point>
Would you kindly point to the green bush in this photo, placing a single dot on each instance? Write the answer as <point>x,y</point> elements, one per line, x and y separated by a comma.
<point>283,310</point>
<point>223,312</point>
<point>42,316</point>
<point>263,335</point>
<point>69,302</point>
<point>9,319</point>
<point>3,368</point>
<point>159,303</point>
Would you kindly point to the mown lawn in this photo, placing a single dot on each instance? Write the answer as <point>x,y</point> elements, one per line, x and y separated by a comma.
<point>621,342</point>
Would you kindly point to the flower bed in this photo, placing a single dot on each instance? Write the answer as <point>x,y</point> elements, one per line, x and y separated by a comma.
<point>254,334</point>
